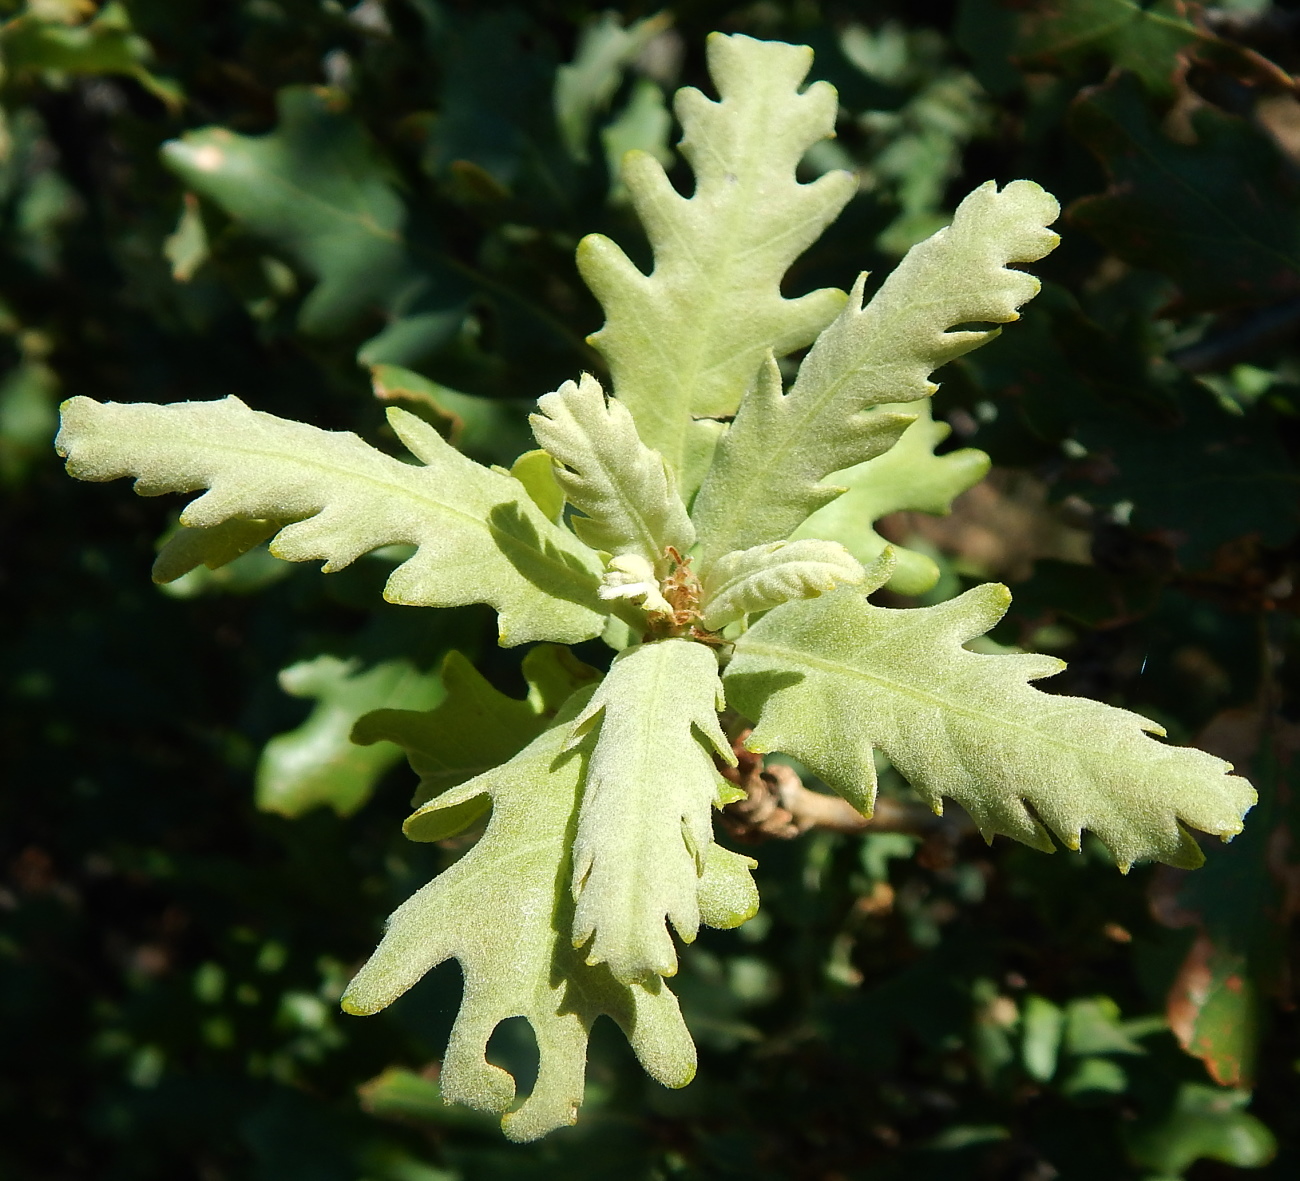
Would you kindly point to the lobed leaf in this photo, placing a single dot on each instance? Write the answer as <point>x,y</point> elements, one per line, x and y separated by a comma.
<point>907,477</point>
<point>831,680</point>
<point>503,912</point>
<point>645,825</point>
<point>767,477</point>
<point>607,473</point>
<point>768,575</point>
<point>687,339</point>
<point>472,730</point>
<point>479,537</point>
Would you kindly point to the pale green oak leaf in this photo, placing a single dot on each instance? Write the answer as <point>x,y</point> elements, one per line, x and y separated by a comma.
<point>645,825</point>
<point>474,728</point>
<point>830,680</point>
<point>767,477</point>
<point>766,576</point>
<point>685,341</point>
<point>212,547</point>
<point>504,911</point>
<point>479,537</point>
<point>623,488</point>
<point>316,764</point>
<point>908,477</point>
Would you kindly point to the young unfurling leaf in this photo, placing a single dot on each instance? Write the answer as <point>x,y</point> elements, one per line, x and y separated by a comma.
<point>764,577</point>
<point>909,476</point>
<point>480,538</point>
<point>831,680</point>
<point>624,489</point>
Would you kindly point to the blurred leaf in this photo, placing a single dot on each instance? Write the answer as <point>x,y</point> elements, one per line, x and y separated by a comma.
<point>1156,41</point>
<point>643,125</point>
<point>317,764</point>
<point>1205,1123</point>
<point>1095,1075</point>
<point>29,417</point>
<point>38,40</point>
<point>490,430</point>
<point>1155,446</point>
<point>1241,907</point>
<point>317,189</point>
<point>1041,1025</point>
<point>1218,217</point>
<point>1093,1025</point>
<point>587,85</point>
<point>402,1094</point>
<point>914,148</point>
<point>1145,38</point>
<point>186,248</point>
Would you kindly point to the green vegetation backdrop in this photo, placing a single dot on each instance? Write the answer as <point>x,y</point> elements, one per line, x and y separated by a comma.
<point>329,208</point>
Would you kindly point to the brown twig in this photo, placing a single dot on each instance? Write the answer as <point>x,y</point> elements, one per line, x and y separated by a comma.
<point>778,805</point>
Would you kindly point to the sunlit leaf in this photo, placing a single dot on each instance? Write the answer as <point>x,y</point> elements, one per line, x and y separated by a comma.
<point>504,912</point>
<point>831,680</point>
<point>687,339</point>
<point>479,537</point>
<point>769,473</point>
<point>644,828</point>
<point>909,476</point>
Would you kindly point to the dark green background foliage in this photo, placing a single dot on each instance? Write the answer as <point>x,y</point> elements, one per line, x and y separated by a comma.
<point>387,183</point>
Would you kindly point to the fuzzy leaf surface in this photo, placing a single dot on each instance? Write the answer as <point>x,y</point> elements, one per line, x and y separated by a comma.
<point>472,730</point>
<point>479,537</point>
<point>503,911</point>
<point>317,764</point>
<point>767,478</point>
<point>645,825</point>
<point>687,339</point>
<point>624,488</point>
<point>766,576</point>
<point>831,679</point>
<point>908,477</point>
